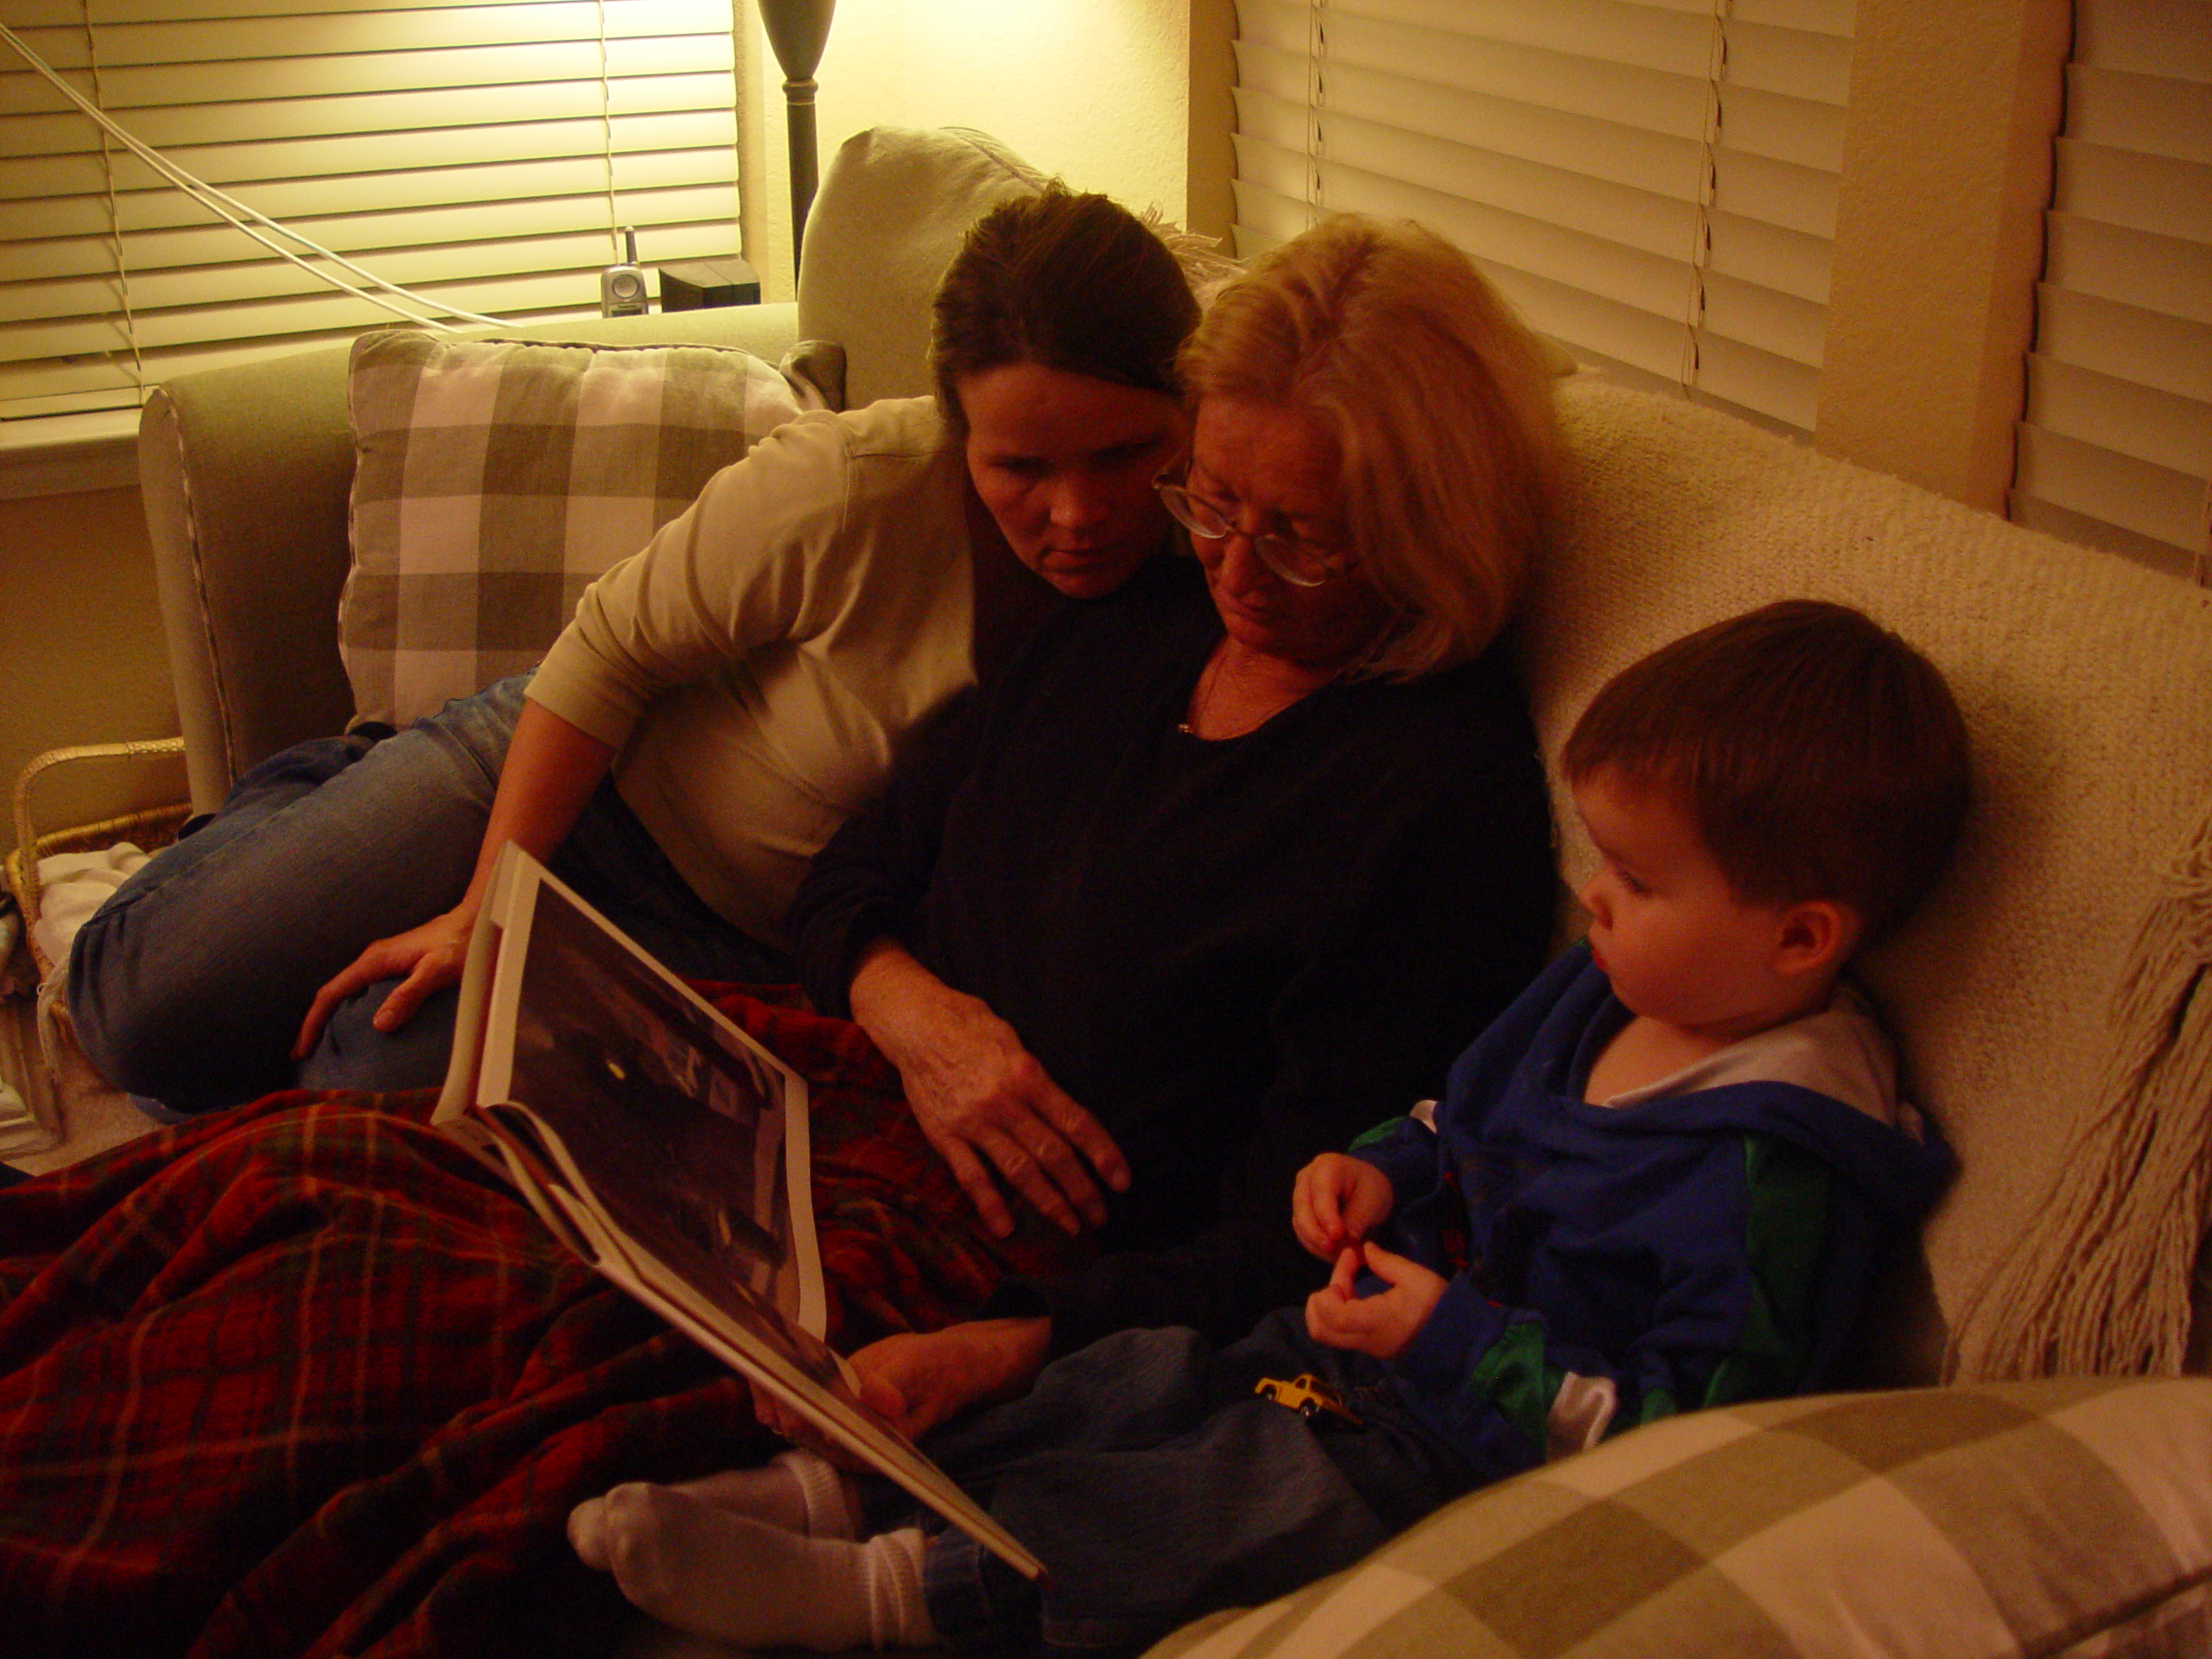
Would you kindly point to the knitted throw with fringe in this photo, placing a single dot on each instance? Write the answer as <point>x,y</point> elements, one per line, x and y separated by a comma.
<point>2102,1285</point>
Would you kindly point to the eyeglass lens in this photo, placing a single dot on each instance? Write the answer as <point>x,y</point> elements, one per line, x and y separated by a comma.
<point>1296,563</point>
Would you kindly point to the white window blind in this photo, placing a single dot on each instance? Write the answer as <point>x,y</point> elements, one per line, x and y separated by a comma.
<point>1652,182</point>
<point>2116,447</point>
<point>479,153</point>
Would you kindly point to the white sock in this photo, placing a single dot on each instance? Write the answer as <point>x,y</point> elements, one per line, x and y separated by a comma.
<point>827,1494</point>
<point>713,1573</point>
<point>767,1492</point>
<point>799,1490</point>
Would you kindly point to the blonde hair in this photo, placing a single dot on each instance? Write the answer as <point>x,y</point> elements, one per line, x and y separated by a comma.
<point>1440,406</point>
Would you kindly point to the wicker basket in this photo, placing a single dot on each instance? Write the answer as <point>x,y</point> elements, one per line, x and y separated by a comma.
<point>150,829</point>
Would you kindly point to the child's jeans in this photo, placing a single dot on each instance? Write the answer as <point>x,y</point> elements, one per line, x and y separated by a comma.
<point>1155,1486</point>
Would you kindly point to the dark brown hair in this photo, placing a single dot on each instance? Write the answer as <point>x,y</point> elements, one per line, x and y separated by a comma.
<point>1069,281</point>
<point>1440,405</point>
<point>1819,755</point>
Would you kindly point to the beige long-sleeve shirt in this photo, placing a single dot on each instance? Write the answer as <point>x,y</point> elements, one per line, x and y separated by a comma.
<point>758,664</point>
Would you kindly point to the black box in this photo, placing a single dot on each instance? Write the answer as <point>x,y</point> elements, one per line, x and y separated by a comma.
<point>705,282</point>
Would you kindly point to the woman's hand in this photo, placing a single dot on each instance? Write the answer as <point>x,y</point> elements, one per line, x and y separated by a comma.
<point>551,770</point>
<point>916,1382</point>
<point>935,1376</point>
<point>424,959</point>
<point>1379,1325</point>
<point>1337,1202</point>
<point>780,1419</point>
<point>982,1098</point>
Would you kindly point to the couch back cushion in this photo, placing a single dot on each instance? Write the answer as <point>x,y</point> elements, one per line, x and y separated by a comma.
<point>2087,686</point>
<point>494,478</point>
<point>891,213</point>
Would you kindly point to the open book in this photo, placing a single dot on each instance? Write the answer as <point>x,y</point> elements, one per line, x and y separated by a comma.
<point>666,1148</point>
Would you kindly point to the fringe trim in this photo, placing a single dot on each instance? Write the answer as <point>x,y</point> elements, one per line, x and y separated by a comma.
<point>2101,1284</point>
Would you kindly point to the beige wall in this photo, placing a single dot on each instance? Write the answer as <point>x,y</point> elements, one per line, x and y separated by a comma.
<point>1938,237</point>
<point>1940,222</point>
<point>1098,90</point>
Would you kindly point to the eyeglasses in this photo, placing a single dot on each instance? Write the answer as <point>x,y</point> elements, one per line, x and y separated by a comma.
<point>1300,564</point>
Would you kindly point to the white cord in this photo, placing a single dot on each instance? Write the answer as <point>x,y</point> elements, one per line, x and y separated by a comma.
<point>238,213</point>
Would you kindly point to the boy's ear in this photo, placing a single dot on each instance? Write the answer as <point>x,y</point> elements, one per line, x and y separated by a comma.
<point>1816,936</point>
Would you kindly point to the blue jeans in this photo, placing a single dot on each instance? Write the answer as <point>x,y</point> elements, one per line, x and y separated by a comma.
<point>190,983</point>
<point>1156,1487</point>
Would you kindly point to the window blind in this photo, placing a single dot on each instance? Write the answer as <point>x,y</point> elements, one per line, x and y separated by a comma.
<point>2115,448</point>
<point>1652,182</point>
<point>479,153</point>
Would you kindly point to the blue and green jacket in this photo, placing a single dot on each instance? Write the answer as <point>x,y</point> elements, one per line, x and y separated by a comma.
<point>1709,1239</point>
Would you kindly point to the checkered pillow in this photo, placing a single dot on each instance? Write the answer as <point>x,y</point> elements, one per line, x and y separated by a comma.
<point>2068,1517</point>
<point>493,479</point>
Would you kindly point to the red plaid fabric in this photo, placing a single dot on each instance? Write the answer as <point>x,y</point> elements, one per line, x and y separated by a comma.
<point>304,1379</point>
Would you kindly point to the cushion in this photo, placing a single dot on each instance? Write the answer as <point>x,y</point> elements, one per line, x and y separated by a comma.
<point>895,204</point>
<point>2069,1516</point>
<point>494,478</point>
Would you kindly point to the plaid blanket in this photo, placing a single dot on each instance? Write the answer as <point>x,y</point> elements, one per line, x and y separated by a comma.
<point>305,1379</point>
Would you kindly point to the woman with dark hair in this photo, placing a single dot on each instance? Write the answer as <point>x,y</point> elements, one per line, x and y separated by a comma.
<point>721,700</point>
<point>1208,876</point>
<point>300,1374</point>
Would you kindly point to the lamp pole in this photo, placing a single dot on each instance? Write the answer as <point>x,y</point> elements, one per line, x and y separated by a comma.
<point>797,30</point>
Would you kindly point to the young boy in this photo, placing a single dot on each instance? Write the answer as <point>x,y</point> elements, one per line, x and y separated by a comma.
<point>1658,1182</point>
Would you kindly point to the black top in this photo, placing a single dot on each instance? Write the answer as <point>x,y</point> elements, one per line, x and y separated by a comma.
<point>1237,955</point>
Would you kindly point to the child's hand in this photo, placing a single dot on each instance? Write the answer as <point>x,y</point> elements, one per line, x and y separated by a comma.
<point>1379,1325</point>
<point>1337,1202</point>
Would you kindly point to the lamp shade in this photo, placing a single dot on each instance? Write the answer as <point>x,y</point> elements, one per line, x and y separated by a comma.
<point>797,30</point>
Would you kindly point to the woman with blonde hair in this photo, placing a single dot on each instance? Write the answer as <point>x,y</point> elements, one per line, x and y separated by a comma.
<point>1372,450</point>
<point>1439,405</point>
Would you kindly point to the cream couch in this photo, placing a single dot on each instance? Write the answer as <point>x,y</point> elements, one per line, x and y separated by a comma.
<point>2052,1005</point>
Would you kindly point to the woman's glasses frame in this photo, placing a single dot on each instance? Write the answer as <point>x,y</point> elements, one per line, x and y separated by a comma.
<point>1302,564</point>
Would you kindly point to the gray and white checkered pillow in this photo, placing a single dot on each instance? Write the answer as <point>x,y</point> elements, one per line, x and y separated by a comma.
<point>493,479</point>
<point>2069,1517</point>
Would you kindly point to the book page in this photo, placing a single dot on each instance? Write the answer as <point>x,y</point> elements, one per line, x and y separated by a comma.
<point>667,1148</point>
<point>621,1056</point>
<point>802,1385</point>
<point>459,1092</point>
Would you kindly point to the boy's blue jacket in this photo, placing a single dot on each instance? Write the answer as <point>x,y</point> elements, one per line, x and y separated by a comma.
<point>1611,1265</point>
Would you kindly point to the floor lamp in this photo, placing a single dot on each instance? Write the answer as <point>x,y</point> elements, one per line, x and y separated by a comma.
<point>797,30</point>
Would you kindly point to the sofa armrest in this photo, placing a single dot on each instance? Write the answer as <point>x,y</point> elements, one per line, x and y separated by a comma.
<point>244,477</point>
